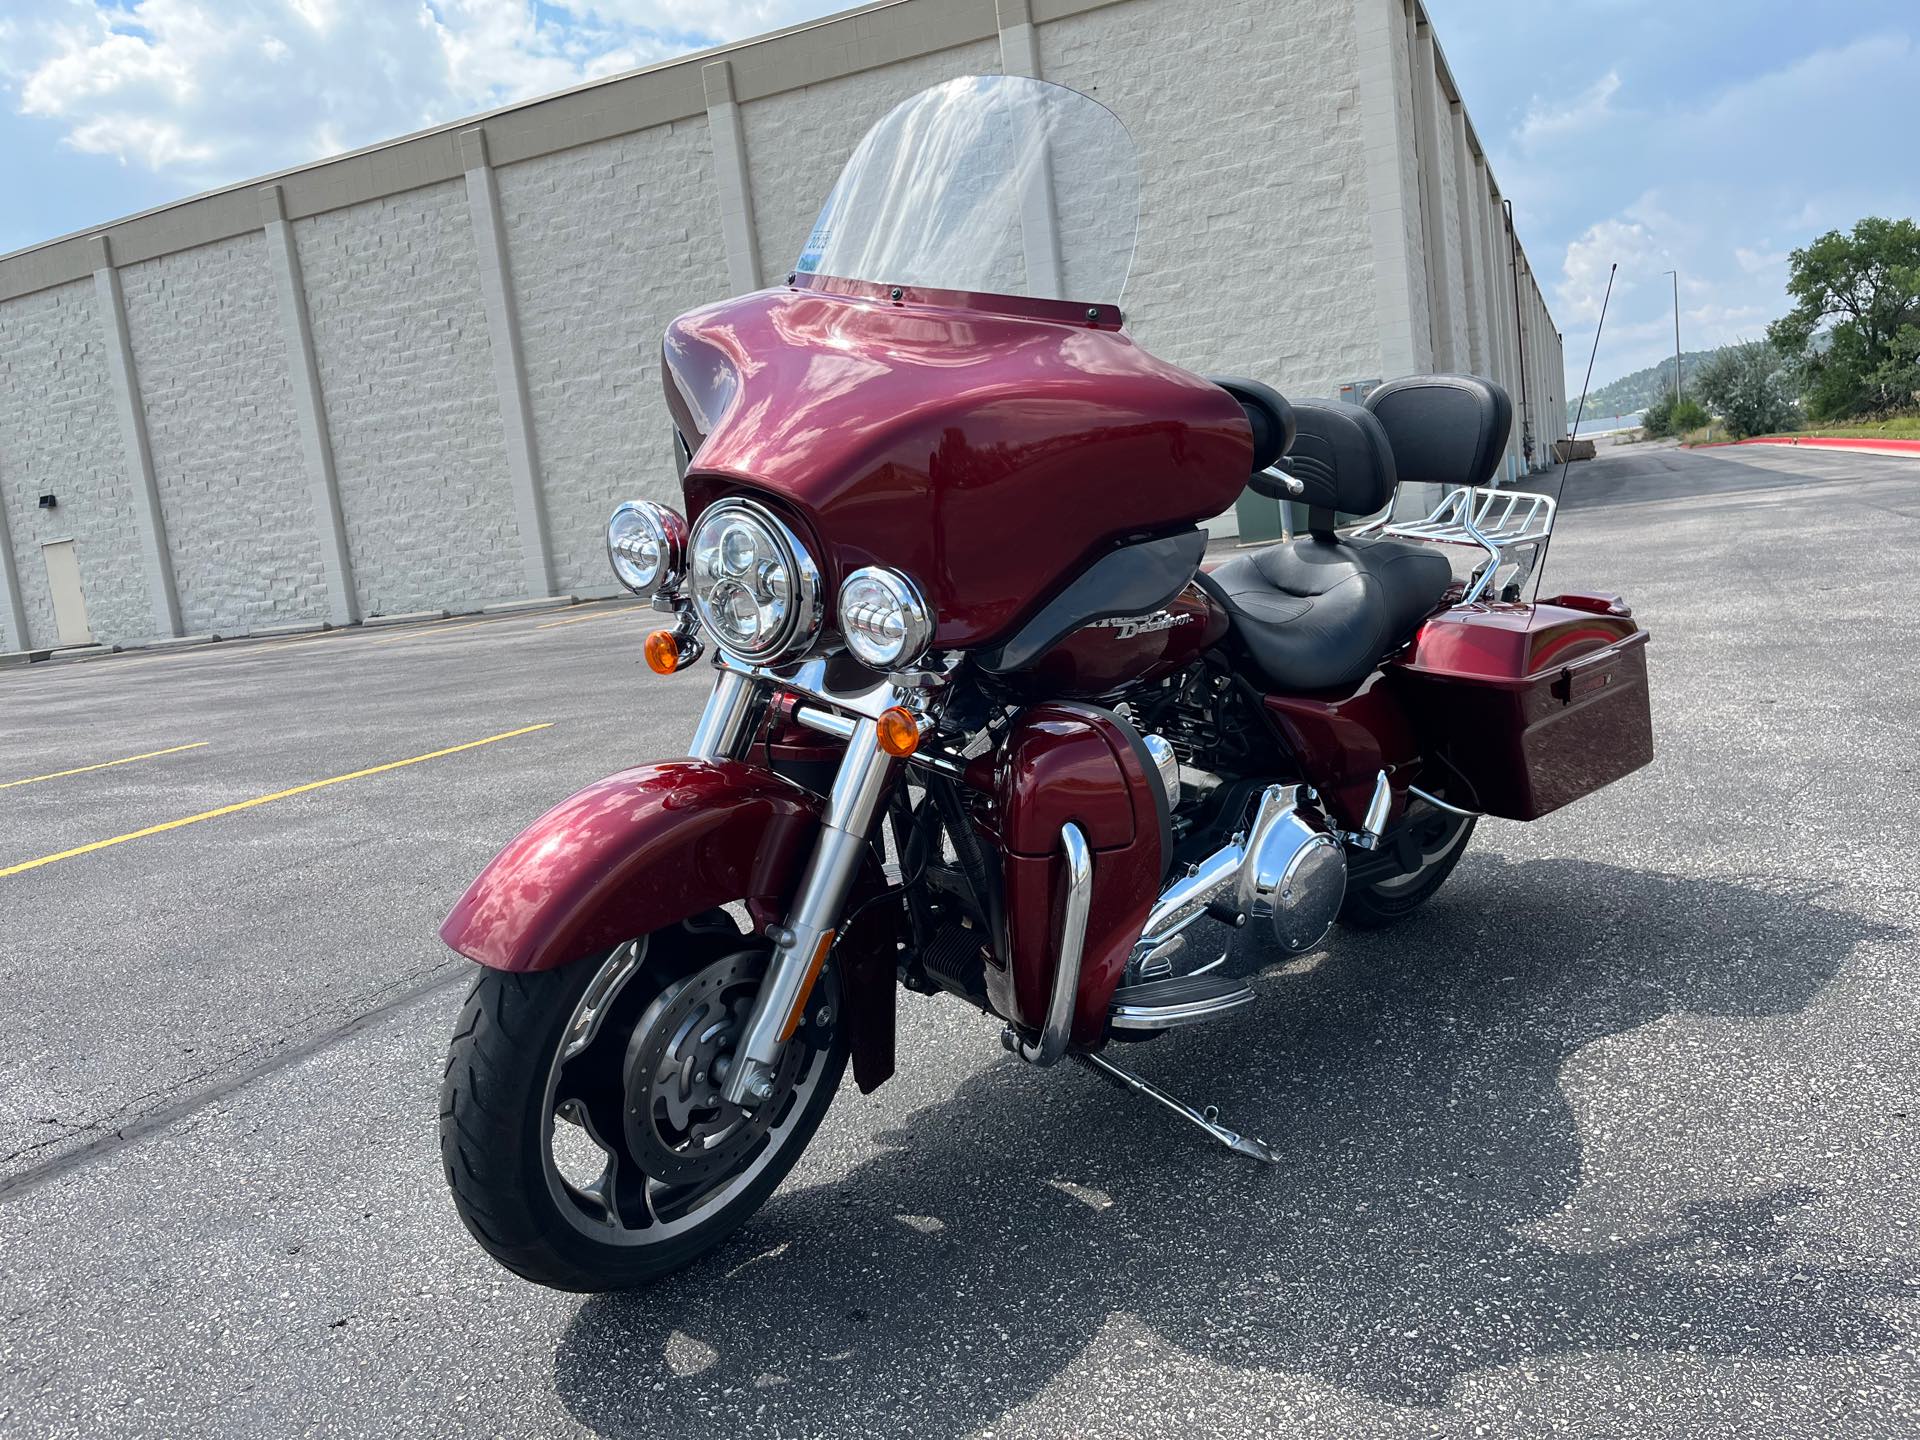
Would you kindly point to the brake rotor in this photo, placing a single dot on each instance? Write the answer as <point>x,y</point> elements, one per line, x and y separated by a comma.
<point>679,1127</point>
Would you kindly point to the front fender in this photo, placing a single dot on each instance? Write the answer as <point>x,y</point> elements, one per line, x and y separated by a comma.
<point>631,854</point>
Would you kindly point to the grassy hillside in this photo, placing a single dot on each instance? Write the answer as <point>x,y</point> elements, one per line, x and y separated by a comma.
<point>1638,390</point>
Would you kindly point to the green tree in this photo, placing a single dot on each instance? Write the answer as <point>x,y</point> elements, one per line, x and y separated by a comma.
<point>1747,384</point>
<point>1667,416</point>
<point>1657,418</point>
<point>1854,330</point>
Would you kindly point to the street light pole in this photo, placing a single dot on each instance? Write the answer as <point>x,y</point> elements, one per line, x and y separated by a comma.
<point>1676,333</point>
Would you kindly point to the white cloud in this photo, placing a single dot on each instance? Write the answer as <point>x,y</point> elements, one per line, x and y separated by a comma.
<point>1757,262</point>
<point>206,92</point>
<point>1622,240</point>
<point>1577,120</point>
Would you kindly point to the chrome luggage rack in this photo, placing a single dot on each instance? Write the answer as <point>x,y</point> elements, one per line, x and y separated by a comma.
<point>1510,525</point>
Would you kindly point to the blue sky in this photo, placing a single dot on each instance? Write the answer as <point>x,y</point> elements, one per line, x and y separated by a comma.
<point>1711,137</point>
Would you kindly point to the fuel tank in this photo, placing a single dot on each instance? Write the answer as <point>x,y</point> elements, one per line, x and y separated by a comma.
<point>1104,656</point>
<point>986,445</point>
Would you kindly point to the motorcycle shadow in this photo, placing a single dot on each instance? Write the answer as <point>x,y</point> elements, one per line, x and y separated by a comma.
<point>1412,1081</point>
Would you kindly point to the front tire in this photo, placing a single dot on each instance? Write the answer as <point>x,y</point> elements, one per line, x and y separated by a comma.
<point>608,1063</point>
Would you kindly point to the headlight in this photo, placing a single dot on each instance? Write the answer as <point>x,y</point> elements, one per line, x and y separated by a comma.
<point>883,618</point>
<point>647,546</point>
<point>755,586</point>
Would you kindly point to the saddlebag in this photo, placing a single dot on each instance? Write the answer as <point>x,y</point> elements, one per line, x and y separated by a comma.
<point>1521,709</point>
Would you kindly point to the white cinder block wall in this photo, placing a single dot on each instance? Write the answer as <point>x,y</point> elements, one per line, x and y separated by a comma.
<point>220,425</point>
<point>1317,211</point>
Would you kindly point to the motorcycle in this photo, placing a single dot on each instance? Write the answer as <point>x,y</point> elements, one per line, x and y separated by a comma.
<point>984,720</point>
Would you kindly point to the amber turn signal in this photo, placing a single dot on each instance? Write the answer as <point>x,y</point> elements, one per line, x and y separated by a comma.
<point>663,652</point>
<point>899,732</point>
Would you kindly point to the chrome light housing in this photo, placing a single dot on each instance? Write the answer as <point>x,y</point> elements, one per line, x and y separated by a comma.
<point>884,618</point>
<point>755,587</point>
<point>647,547</point>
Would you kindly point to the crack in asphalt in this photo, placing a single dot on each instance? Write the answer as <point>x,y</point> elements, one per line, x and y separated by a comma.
<point>186,1102</point>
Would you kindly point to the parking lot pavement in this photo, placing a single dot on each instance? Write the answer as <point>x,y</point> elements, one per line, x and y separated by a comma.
<point>1616,1137</point>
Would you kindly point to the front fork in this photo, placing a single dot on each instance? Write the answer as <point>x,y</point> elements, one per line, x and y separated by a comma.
<point>800,945</point>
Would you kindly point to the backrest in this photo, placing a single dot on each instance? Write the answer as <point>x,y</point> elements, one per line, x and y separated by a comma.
<point>1343,460</point>
<point>1445,430</point>
<point>1268,414</point>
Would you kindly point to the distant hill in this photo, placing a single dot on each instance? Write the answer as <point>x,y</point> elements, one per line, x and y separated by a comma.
<point>1638,390</point>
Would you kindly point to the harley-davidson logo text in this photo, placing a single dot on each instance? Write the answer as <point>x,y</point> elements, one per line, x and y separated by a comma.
<point>1132,625</point>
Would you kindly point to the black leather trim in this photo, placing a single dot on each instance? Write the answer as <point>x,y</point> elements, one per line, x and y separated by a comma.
<point>1269,414</point>
<point>1140,753</point>
<point>1445,430</point>
<point>1133,580</point>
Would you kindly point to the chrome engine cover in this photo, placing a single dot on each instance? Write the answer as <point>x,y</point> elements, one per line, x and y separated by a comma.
<point>1294,877</point>
<point>1282,873</point>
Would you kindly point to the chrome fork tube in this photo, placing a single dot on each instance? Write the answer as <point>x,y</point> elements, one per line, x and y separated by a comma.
<point>728,719</point>
<point>800,946</point>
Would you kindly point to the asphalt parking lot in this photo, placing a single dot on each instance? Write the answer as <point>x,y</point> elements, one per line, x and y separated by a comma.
<point>1615,1138</point>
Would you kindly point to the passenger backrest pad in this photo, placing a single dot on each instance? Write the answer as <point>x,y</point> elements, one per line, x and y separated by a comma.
<point>1445,430</point>
<point>1341,457</point>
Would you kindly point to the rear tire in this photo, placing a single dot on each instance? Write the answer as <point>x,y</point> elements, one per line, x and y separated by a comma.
<point>1442,839</point>
<point>498,1115</point>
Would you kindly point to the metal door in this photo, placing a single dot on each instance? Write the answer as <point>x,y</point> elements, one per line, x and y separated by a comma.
<point>69,603</point>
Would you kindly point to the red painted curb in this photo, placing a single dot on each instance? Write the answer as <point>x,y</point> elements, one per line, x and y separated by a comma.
<point>1821,442</point>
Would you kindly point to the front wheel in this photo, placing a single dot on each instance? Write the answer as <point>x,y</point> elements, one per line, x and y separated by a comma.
<point>1436,839</point>
<point>586,1141</point>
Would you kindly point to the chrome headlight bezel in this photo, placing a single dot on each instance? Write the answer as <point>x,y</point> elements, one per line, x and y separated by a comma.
<point>806,606</point>
<point>666,529</point>
<point>901,600</point>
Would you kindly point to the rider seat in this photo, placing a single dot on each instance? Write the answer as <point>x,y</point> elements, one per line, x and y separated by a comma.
<point>1319,612</point>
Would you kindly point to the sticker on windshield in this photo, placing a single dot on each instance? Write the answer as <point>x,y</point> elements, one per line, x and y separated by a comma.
<point>817,242</point>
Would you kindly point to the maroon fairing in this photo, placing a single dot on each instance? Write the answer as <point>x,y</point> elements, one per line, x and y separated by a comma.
<point>988,446</point>
<point>633,853</point>
<point>1072,764</point>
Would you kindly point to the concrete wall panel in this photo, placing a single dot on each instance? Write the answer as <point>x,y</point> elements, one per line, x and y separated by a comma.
<point>1451,348</point>
<point>207,346</point>
<point>1254,194</point>
<point>405,369</point>
<point>607,244</point>
<point>59,436</point>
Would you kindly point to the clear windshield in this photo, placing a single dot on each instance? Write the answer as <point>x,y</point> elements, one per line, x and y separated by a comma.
<point>992,183</point>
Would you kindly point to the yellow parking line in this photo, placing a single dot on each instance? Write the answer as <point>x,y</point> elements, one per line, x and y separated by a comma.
<point>597,615</point>
<point>103,765</point>
<point>265,799</point>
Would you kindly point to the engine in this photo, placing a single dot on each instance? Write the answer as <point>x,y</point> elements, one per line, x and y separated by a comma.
<point>1250,848</point>
<point>1206,714</point>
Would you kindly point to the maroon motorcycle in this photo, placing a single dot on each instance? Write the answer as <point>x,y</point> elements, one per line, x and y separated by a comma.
<point>982,721</point>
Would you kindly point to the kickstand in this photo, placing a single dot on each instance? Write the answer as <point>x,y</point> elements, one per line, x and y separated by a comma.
<point>1208,1119</point>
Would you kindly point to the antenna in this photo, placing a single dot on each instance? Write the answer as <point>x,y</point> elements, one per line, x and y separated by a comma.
<point>1540,567</point>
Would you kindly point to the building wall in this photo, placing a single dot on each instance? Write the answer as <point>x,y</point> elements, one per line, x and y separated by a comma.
<point>1322,216</point>
<point>406,371</point>
<point>1251,193</point>
<point>607,243</point>
<point>59,437</point>
<point>204,327</point>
